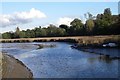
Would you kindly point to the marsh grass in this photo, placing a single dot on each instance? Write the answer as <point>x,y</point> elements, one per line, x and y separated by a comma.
<point>83,40</point>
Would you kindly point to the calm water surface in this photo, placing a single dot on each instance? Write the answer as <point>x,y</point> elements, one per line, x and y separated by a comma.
<point>62,61</point>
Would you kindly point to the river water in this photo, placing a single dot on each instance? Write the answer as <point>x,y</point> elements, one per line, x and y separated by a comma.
<point>62,61</point>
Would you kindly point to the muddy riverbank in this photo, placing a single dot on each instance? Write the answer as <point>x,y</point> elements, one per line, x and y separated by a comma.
<point>13,68</point>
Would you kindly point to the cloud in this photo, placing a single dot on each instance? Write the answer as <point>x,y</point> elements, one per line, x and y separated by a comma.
<point>20,17</point>
<point>65,20</point>
<point>45,26</point>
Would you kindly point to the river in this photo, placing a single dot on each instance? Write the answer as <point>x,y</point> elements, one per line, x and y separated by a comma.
<point>62,61</point>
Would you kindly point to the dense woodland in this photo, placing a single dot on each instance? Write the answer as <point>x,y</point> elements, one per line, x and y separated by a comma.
<point>102,24</point>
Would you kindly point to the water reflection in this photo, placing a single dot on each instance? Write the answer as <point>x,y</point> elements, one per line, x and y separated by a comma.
<point>105,58</point>
<point>62,61</point>
<point>100,59</point>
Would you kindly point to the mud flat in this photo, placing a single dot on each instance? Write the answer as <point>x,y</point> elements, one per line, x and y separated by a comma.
<point>13,68</point>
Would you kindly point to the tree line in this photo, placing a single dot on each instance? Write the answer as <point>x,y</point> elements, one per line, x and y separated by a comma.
<point>102,24</point>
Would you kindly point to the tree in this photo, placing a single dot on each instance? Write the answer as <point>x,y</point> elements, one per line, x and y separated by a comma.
<point>17,33</point>
<point>43,32</point>
<point>103,22</point>
<point>40,32</point>
<point>65,27</point>
<point>115,27</point>
<point>60,32</point>
<point>89,26</point>
<point>76,27</point>
<point>28,33</point>
<point>36,32</point>
<point>7,35</point>
<point>32,33</point>
<point>22,34</point>
<point>88,16</point>
<point>107,11</point>
<point>51,30</point>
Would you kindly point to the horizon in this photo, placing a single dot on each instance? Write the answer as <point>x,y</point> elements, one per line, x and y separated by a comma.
<point>30,15</point>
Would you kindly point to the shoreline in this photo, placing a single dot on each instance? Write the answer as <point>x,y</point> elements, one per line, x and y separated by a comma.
<point>14,68</point>
<point>81,41</point>
<point>71,39</point>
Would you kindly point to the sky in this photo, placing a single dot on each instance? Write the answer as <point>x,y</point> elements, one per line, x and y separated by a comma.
<point>28,15</point>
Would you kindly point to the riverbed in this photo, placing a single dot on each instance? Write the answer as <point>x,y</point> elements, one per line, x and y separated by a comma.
<point>62,61</point>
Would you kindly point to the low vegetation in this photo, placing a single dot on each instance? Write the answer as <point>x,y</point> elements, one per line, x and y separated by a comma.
<point>81,40</point>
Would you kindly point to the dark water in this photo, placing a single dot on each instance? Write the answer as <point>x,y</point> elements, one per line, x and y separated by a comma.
<point>62,61</point>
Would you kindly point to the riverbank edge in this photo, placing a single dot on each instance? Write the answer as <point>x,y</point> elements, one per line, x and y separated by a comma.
<point>83,41</point>
<point>18,62</point>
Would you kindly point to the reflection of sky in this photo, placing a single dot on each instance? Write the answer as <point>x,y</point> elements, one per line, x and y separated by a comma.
<point>64,62</point>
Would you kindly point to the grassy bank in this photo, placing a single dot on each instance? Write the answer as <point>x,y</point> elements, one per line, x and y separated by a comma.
<point>76,39</point>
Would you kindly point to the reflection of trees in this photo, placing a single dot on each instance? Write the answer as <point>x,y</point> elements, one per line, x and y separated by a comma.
<point>105,58</point>
<point>92,60</point>
<point>101,56</point>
